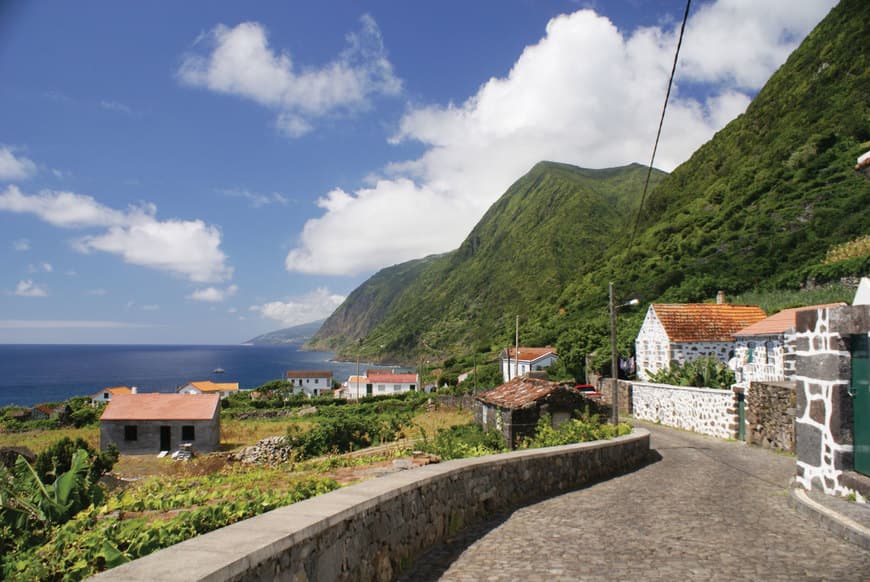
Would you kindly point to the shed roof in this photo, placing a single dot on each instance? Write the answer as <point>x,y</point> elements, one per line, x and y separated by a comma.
<point>393,378</point>
<point>779,323</point>
<point>308,374</point>
<point>158,406</point>
<point>519,392</point>
<point>705,322</point>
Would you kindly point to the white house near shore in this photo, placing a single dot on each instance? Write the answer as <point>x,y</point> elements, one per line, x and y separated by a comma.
<point>105,395</point>
<point>519,363</point>
<point>209,387</point>
<point>380,383</point>
<point>310,382</point>
<point>684,332</point>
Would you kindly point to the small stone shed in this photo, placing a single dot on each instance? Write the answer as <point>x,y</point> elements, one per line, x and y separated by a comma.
<point>150,423</point>
<point>515,407</point>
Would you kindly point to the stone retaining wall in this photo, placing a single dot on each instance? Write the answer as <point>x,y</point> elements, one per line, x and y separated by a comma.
<point>372,530</point>
<point>770,415</point>
<point>702,410</point>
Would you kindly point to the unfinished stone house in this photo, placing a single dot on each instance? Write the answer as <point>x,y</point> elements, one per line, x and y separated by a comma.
<point>154,422</point>
<point>515,407</point>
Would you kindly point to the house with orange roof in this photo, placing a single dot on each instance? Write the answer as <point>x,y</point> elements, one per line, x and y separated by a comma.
<point>309,382</point>
<point>105,395</point>
<point>684,332</point>
<point>761,352</point>
<point>224,389</point>
<point>155,422</point>
<point>519,363</point>
<point>384,383</point>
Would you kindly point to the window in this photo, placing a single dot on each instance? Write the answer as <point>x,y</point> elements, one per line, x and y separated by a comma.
<point>317,380</point>
<point>187,433</point>
<point>105,395</point>
<point>131,432</point>
<point>412,387</point>
<point>382,387</point>
<point>397,387</point>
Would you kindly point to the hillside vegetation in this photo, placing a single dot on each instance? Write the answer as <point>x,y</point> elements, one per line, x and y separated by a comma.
<point>770,204</point>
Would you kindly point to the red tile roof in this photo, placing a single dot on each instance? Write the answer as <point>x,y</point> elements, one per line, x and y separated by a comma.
<point>209,386</point>
<point>779,323</point>
<point>381,378</point>
<point>113,390</point>
<point>158,406</point>
<point>519,392</point>
<point>529,354</point>
<point>308,374</point>
<point>705,322</point>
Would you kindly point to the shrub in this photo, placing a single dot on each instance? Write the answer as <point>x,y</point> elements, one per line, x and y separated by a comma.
<point>576,430</point>
<point>704,372</point>
<point>469,440</point>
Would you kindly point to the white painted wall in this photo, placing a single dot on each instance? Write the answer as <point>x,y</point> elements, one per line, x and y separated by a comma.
<point>702,410</point>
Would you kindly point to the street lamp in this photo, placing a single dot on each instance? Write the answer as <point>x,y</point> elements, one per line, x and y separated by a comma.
<point>614,362</point>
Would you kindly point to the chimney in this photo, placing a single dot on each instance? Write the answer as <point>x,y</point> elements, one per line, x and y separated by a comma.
<point>134,390</point>
<point>720,298</point>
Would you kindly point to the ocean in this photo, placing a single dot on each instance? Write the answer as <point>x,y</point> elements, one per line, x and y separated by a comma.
<point>31,374</point>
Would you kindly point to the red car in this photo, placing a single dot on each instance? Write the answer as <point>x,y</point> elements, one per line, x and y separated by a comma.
<point>588,390</point>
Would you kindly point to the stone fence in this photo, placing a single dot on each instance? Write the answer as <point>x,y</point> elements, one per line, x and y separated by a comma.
<point>703,410</point>
<point>770,415</point>
<point>373,530</point>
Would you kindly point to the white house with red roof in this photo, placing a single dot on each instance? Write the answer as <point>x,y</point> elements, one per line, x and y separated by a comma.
<point>385,383</point>
<point>310,382</point>
<point>519,363</point>
<point>761,349</point>
<point>687,331</point>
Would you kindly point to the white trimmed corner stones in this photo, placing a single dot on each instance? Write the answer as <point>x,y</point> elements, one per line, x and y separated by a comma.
<point>823,422</point>
<point>702,410</point>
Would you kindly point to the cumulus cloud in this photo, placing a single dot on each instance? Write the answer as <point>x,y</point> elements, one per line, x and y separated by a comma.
<point>188,248</point>
<point>213,294</point>
<point>240,62</point>
<point>586,93</point>
<point>21,245</point>
<point>14,167</point>
<point>27,288</point>
<point>318,304</point>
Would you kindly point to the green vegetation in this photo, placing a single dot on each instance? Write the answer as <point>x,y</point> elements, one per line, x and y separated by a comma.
<point>576,430</point>
<point>770,205</point>
<point>468,440</point>
<point>704,372</point>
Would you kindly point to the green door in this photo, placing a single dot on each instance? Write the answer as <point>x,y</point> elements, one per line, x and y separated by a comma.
<point>860,388</point>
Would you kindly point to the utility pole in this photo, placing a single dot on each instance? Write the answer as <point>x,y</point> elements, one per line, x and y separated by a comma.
<point>614,362</point>
<point>517,350</point>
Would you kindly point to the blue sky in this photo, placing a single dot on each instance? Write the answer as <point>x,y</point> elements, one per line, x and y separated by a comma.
<point>202,172</point>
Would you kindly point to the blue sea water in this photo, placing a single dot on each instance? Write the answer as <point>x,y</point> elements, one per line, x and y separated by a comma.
<point>31,374</point>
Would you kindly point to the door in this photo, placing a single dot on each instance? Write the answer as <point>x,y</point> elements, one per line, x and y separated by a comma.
<point>165,438</point>
<point>860,389</point>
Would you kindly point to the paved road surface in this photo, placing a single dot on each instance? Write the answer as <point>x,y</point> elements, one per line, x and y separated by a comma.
<point>706,509</point>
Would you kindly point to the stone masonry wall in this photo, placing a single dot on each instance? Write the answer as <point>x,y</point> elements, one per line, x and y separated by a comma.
<point>702,410</point>
<point>373,530</point>
<point>770,415</point>
<point>824,423</point>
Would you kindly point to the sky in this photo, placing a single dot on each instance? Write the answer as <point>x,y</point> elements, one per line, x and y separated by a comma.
<point>204,172</point>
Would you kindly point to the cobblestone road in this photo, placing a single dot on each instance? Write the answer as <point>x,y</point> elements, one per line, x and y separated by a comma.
<point>707,509</point>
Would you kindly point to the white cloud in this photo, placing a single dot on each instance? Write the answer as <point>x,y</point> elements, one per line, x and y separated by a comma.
<point>240,62</point>
<point>14,167</point>
<point>213,294</point>
<point>255,199</point>
<point>188,248</point>
<point>115,106</point>
<point>41,267</point>
<point>67,324</point>
<point>586,94</point>
<point>27,288</point>
<point>21,244</point>
<point>99,292</point>
<point>318,304</point>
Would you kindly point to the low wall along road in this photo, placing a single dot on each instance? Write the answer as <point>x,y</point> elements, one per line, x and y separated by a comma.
<point>374,529</point>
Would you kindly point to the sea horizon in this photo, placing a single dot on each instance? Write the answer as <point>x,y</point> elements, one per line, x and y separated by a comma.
<point>36,373</point>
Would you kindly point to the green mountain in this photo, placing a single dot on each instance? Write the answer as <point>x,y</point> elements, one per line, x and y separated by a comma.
<point>552,224</point>
<point>297,335</point>
<point>771,202</point>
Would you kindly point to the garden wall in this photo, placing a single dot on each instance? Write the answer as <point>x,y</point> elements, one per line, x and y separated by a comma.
<point>770,415</point>
<point>372,530</point>
<point>703,410</point>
